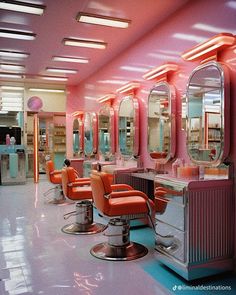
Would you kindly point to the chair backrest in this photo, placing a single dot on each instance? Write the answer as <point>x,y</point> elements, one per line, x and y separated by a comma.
<point>49,169</point>
<point>100,185</point>
<point>65,181</point>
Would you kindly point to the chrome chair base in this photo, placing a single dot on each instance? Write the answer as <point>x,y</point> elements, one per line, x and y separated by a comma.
<point>83,229</point>
<point>131,251</point>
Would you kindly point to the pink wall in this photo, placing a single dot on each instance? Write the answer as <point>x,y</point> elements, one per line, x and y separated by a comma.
<point>194,23</point>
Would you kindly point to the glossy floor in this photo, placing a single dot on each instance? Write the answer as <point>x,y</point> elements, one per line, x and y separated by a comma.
<point>37,258</point>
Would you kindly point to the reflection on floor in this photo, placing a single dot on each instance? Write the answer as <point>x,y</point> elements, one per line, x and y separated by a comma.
<point>37,258</point>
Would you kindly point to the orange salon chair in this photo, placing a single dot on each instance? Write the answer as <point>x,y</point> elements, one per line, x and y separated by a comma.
<point>119,207</point>
<point>79,189</point>
<point>55,177</point>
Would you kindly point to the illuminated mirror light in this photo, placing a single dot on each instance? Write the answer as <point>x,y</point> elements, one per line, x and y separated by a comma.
<point>106,98</point>
<point>128,87</point>
<point>102,20</point>
<point>160,71</point>
<point>85,43</point>
<point>17,34</point>
<point>71,59</point>
<point>209,47</point>
<point>22,7</point>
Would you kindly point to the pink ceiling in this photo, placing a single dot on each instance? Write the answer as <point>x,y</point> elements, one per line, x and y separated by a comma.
<point>59,22</point>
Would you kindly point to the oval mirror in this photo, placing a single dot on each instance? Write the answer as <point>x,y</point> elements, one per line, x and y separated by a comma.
<point>207,119</point>
<point>106,131</point>
<point>161,122</point>
<point>90,134</point>
<point>76,138</point>
<point>129,126</point>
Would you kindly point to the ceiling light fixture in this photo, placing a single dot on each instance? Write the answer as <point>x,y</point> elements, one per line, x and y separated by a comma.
<point>13,54</point>
<point>158,72</point>
<point>102,20</point>
<point>47,90</point>
<point>71,59</point>
<point>107,98</point>
<point>11,67</point>
<point>85,43</point>
<point>130,87</point>
<point>13,34</point>
<point>210,47</point>
<point>12,88</point>
<point>22,7</point>
<point>50,78</point>
<point>57,70</point>
<point>8,75</point>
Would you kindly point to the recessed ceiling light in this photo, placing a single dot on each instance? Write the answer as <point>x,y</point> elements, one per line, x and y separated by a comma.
<point>8,75</point>
<point>47,90</point>
<point>22,7</point>
<point>11,67</point>
<point>50,78</point>
<point>13,54</point>
<point>102,20</point>
<point>85,43</point>
<point>12,87</point>
<point>21,35</point>
<point>57,70</point>
<point>71,59</point>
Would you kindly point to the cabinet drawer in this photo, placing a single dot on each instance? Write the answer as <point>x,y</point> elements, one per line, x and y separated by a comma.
<point>170,240</point>
<point>170,213</point>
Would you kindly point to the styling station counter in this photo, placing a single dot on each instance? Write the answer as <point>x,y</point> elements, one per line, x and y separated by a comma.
<point>194,225</point>
<point>13,169</point>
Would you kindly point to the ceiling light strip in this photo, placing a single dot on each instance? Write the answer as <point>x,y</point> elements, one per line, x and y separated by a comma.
<point>22,7</point>
<point>102,20</point>
<point>47,90</point>
<point>85,43</point>
<point>13,54</point>
<point>70,59</point>
<point>209,47</point>
<point>58,70</point>
<point>21,35</point>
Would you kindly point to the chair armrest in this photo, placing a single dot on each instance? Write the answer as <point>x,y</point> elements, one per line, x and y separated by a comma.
<point>83,179</point>
<point>79,183</point>
<point>121,187</point>
<point>130,193</point>
<point>55,172</point>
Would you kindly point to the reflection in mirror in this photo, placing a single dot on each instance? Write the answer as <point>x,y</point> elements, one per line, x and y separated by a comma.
<point>128,127</point>
<point>161,126</point>
<point>90,133</point>
<point>76,137</point>
<point>206,141</point>
<point>11,123</point>
<point>106,131</point>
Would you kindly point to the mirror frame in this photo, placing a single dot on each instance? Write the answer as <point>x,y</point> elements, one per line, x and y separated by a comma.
<point>135,103</point>
<point>94,126</point>
<point>172,111</point>
<point>111,129</point>
<point>225,108</point>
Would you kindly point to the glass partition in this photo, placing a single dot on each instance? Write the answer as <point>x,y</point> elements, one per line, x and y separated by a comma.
<point>161,122</point>
<point>90,134</point>
<point>129,126</point>
<point>208,114</point>
<point>76,137</point>
<point>106,131</point>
